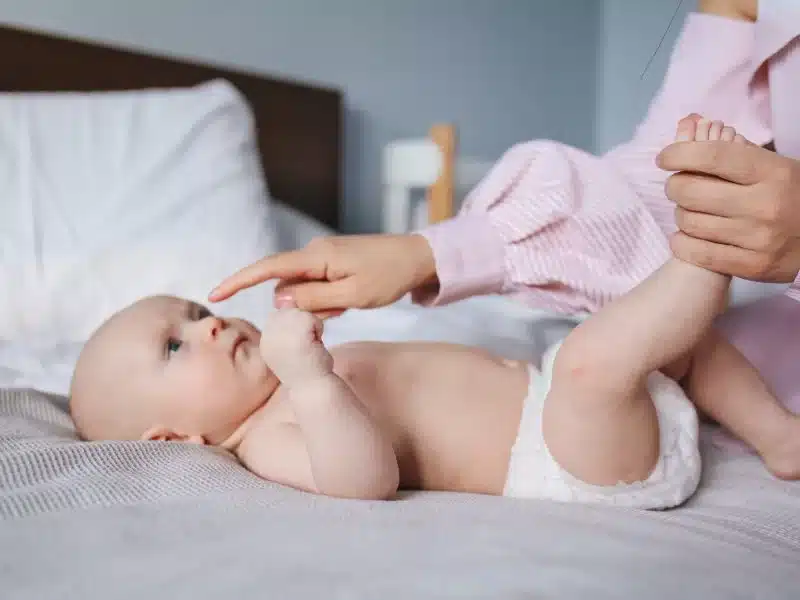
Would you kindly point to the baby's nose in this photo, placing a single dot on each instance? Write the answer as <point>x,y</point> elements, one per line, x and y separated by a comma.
<point>211,326</point>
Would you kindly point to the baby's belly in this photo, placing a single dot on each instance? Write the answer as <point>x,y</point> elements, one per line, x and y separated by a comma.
<point>453,412</point>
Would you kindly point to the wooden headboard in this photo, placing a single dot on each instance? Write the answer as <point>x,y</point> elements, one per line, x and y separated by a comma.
<point>299,126</point>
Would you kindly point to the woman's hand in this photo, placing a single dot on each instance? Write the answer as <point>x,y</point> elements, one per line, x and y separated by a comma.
<point>738,209</point>
<point>333,274</point>
<point>735,9</point>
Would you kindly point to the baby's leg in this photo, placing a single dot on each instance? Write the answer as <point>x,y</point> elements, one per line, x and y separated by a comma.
<point>725,385</point>
<point>599,421</point>
<point>728,388</point>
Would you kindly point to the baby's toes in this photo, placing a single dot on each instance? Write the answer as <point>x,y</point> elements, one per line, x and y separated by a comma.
<point>702,131</point>
<point>687,128</point>
<point>728,134</point>
<point>715,131</point>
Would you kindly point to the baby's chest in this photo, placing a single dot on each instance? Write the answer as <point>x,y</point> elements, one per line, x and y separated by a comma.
<point>431,386</point>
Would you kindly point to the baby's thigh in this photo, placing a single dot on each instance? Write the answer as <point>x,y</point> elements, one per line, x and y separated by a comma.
<point>600,434</point>
<point>584,441</point>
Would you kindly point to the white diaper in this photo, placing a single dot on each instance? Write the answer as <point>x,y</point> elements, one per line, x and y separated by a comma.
<point>533,473</point>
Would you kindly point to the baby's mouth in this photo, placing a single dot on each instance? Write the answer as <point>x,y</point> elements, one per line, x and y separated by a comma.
<point>238,343</point>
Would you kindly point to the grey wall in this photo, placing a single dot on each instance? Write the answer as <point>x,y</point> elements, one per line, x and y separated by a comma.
<point>502,70</point>
<point>629,34</point>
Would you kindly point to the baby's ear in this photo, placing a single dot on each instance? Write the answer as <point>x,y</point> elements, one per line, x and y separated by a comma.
<point>163,434</point>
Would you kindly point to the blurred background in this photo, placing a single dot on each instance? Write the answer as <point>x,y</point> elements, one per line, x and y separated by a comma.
<point>502,71</point>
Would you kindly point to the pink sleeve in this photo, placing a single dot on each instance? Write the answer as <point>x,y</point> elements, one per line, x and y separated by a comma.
<point>568,231</point>
<point>549,224</point>
<point>711,72</point>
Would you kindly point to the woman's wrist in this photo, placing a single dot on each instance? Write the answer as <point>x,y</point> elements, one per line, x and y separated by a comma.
<point>422,253</point>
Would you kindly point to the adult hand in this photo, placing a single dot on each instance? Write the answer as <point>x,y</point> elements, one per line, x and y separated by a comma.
<point>738,209</point>
<point>333,274</point>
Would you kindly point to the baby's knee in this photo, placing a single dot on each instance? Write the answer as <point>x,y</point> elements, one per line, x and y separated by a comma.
<point>581,360</point>
<point>593,377</point>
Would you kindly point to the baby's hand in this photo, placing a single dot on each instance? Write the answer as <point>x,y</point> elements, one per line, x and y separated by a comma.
<point>291,345</point>
<point>694,128</point>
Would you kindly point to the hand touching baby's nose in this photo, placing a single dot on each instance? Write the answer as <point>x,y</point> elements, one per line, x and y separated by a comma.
<point>291,346</point>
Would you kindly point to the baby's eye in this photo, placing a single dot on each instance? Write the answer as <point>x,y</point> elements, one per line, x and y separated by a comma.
<point>173,345</point>
<point>202,312</point>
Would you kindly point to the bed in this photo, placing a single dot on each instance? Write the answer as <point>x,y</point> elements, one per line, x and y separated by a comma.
<point>127,520</point>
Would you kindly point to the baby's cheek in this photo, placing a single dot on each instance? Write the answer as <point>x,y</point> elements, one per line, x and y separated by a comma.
<point>211,389</point>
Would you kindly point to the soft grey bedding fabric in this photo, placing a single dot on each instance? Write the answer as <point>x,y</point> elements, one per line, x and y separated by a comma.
<point>117,520</point>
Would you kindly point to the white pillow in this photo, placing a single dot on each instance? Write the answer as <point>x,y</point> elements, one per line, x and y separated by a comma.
<point>110,196</point>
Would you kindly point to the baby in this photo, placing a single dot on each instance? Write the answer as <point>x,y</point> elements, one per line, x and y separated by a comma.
<point>601,421</point>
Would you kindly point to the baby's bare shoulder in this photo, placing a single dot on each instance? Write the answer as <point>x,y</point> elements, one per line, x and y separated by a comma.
<point>275,450</point>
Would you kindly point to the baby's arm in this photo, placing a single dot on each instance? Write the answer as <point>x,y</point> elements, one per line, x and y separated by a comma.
<point>335,448</point>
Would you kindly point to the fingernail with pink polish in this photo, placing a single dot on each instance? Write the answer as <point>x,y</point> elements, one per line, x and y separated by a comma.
<point>284,301</point>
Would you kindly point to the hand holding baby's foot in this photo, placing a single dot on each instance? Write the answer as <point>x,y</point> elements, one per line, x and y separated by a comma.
<point>291,346</point>
<point>694,128</point>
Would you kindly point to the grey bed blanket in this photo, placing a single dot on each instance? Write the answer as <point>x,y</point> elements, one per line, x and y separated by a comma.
<point>150,520</point>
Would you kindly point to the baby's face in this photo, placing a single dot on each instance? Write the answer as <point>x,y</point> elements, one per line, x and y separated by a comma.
<point>166,368</point>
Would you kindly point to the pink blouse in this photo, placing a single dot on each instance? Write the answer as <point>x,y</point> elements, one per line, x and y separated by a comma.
<point>563,230</point>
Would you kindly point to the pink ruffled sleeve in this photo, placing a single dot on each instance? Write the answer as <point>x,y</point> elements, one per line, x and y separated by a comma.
<point>549,224</point>
<point>567,231</point>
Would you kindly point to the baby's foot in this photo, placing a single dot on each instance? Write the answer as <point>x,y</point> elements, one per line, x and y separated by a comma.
<point>291,346</point>
<point>694,128</point>
<point>782,456</point>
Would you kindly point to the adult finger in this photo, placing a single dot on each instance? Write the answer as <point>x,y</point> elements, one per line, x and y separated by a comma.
<point>285,265</point>
<point>739,163</point>
<point>703,193</point>
<point>287,301</point>
<point>711,228</point>
<point>319,296</point>
<point>720,258</point>
<point>329,314</point>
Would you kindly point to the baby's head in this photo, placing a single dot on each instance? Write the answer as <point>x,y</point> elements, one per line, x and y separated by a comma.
<point>165,368</point>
